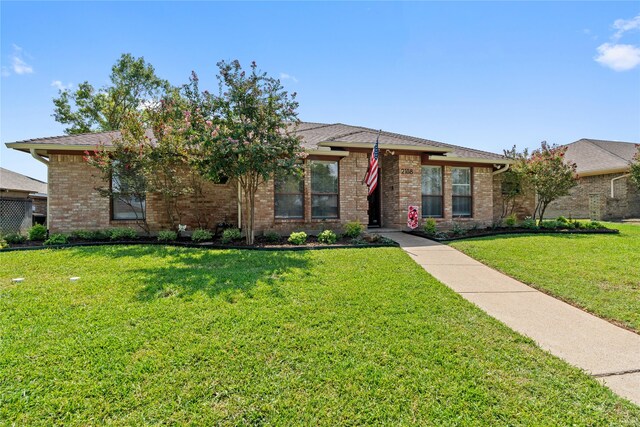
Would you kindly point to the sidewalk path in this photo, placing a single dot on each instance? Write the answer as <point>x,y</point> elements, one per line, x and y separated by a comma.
<point>609,353</point>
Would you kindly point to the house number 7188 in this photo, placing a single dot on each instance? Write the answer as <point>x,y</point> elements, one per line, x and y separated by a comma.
<point>406,171</point>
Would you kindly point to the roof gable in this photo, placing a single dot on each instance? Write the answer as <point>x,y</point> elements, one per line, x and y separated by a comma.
<point>594,156</point>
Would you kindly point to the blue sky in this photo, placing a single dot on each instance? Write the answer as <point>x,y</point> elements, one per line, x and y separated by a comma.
<point>483,75</point>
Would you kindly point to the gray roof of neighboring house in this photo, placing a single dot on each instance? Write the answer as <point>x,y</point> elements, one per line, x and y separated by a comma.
<point>595,156</point>
<point>313,136</point>
<point>10,180</point>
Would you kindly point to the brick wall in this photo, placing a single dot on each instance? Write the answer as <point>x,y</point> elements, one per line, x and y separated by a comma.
<point>390,195</point>
<point>352,201</point>
<point>524,207</point>
<point>624,204</point>
<point>74,203</point>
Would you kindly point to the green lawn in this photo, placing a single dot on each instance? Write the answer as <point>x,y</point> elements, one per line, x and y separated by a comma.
<point>152,335</point>
<point>600,273</point>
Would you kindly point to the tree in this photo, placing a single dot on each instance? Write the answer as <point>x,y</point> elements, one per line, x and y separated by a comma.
<point>514,185</point>
<point>123,166</point>
<point>245,133</point>
<point>550,175</point>
<point>134,86</point>
<point>635,168</point>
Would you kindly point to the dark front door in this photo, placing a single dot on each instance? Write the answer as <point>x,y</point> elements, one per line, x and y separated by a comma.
<point>374,207</point>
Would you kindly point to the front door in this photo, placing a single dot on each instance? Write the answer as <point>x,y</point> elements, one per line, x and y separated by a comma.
<point>374,206</point>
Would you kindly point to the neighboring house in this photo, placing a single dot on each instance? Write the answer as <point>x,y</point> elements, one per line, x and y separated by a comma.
<point>604,190</point>
<point>446,182</point>
<point>23,201</point>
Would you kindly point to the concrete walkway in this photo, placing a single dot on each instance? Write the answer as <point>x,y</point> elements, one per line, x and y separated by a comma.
<point>607,352</point>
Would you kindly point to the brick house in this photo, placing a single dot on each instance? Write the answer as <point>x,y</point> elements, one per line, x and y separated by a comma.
<point>23,201</point>
<point>604,190</point>
<point>447,182</point>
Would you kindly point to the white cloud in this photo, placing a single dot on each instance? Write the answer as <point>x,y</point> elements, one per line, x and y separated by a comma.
<point>624,25</point>
<point>18,64</point>
<point>285,76</point>
<point>618,57</point>
<point>61,86</point>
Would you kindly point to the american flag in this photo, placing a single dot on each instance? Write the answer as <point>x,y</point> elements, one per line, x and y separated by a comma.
<point>371,178</point>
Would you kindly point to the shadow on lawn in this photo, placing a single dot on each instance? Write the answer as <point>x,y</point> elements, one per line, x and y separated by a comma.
<point>183,272</point>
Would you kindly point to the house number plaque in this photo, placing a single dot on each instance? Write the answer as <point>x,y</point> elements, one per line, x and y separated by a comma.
<point>406,171</point>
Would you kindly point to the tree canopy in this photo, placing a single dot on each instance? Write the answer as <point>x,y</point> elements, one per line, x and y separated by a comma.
<point>635,168</point>
<point>134,87</point>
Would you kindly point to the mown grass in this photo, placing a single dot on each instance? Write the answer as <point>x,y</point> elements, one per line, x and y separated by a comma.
<point>599,273</point>
<point>152,335</point>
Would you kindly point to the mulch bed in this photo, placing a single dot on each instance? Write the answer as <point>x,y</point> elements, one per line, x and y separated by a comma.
<point>260,243</point>
<point>505,231</point>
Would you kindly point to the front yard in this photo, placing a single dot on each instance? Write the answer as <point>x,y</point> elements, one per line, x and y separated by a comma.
<point>151,335</point>
<point>599,273</point>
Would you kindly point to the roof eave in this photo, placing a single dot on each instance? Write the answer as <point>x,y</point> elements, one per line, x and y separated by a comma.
<point>43,148</point>
<point>472,160</point>
<point>421,148</point>
<point>603,172</point>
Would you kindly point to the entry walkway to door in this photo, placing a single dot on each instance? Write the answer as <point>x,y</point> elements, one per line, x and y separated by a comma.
<point>608,352</point>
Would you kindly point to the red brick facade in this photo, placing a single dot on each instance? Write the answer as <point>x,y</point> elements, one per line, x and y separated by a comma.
<point>74,203</point>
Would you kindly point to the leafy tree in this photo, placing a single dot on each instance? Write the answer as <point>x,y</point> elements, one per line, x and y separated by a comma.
<point>134,86</point>
<point>549,174</point>
<point>125,162</point>
<point>515,185</point>
<point>245,133</point>
<point>635,168</point>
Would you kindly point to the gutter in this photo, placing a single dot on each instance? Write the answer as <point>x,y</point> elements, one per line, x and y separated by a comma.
<point>501,170</point>
<point>38,157</point>
<point>615,179</point>
<point>471,160</point>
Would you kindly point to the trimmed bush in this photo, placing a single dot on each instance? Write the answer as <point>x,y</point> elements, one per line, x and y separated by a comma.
<point>457,230</point>
<point>167,236</point>
<point>231,234</point>
<point>201,235</point>
<point>511,220</point>
<point>38,233</point>
<point>299,238</point>
<point>550,225</point>
<point>529,223</point>
<point>429,226</point>
<point>95,235</point>
<point>353,229</point>
<point>272,237</point>
<point>3,244</point>
<point>562,220</point>
<point>328,237</point>
<point>123,233</point>
<point>57,239</point>
<point>593,225</point>
<point>14,238</point>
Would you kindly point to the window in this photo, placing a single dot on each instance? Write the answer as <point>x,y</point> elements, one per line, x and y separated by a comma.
<point>461,189</point>
<point>289,197</point>
<point>324,189</point>
<point>124,204</point>
<point>432,192</point>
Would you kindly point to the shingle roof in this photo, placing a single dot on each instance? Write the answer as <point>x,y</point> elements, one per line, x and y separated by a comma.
<point>10,180</point>
<point>595,155</point>
<point>312,135</point>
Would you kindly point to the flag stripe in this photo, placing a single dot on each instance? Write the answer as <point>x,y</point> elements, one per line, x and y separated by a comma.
<point>371,178</point>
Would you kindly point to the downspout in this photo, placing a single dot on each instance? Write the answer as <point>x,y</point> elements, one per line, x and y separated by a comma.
<point>615,179</point>
<point>502,170</point>
<point>41,159</point>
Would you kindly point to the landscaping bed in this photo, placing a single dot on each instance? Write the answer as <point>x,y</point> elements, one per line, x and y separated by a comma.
<point>489,231</point>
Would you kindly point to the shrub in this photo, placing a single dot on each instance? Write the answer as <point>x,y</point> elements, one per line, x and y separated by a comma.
<point>38,232</point>
<point>299,238</point>
<point>57,239</point>
<point>272,237</point>
<point>95,235</point>
<point>14,238</point>
<point>511,220</point>
<point>328,237</point>
<point>3,244</point>
<point>353,229</point>
<point>231,234</point>
<point>429,226</point>
<point>123,233</point>
<point>529,223</point>
<point>549,225</point>
<point>562,220</point>
<point>167,236</point>
<point>593,225</point>
<point>201,235</point>
<point>457,229</point>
